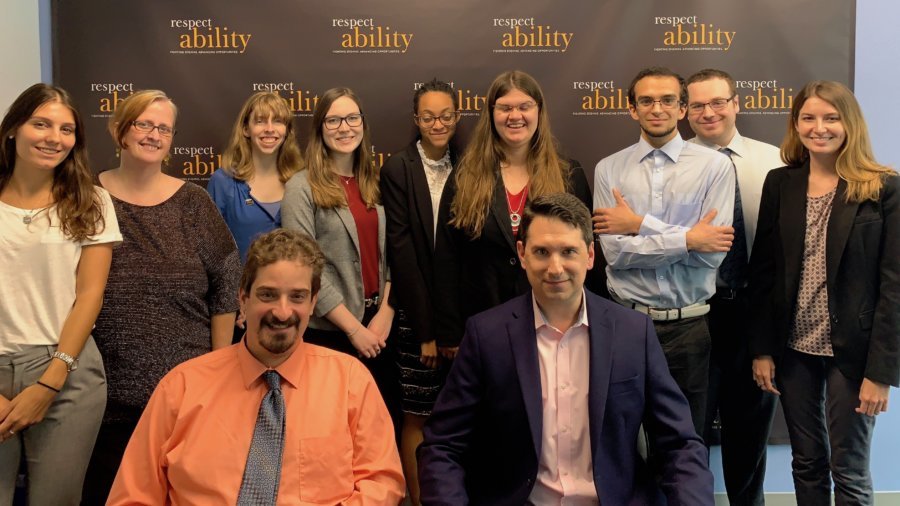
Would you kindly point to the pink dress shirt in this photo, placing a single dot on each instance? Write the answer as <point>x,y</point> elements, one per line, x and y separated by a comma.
<point>190,446</point>
<point>565,472</point>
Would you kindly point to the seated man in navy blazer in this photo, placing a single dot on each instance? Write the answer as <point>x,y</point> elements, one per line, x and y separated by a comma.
<point>549,390</point>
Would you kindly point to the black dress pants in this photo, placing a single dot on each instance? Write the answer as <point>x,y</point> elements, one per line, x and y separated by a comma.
<point>745,412</point>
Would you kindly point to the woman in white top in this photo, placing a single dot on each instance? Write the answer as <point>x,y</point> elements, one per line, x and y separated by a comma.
<point>57,231</point>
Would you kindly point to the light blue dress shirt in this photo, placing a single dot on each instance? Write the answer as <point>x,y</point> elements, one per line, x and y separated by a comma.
<point>672,188</point>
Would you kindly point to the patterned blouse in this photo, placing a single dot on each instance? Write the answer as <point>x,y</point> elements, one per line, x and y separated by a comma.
<point>812,327</point>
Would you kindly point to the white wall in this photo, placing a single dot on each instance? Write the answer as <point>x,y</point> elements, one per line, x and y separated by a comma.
<point>20,48</point>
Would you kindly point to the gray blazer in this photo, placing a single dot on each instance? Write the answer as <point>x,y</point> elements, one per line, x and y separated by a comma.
<point>335,231</point>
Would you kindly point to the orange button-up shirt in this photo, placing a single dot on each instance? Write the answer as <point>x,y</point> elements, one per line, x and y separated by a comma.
<point>191,444</point>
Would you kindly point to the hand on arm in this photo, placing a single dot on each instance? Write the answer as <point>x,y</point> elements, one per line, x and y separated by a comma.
<point>764,373</point>
<point>705,237</point>
<point>364,340</point>
<point>873,397</point>
<point>30,406</point>
<point>619,220</point>
<point>381,323</point>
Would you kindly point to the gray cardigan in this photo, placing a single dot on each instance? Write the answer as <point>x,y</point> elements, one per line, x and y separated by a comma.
<point>335,231</point>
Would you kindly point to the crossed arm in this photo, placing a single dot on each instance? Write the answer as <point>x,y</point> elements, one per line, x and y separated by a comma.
<point>631,240</point>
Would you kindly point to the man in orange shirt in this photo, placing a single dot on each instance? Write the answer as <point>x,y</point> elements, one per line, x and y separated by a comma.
<point>206,416</point>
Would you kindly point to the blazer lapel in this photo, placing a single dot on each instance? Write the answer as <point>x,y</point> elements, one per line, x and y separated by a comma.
<point>792,225</point>
<point>523,343</point>
<point>349,224</point>
<point>601,330</point>
<point>421,193</point>
<point>500,210</point>
<point>839,225</point>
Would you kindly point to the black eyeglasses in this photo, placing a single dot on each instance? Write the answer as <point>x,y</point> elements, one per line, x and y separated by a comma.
<point>145,127</point>
<point>446,119</point>
<point>716,104</point>
<point>334,122</point>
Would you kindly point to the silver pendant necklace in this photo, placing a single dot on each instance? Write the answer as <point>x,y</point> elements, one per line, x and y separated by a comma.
<point>515,218</point>
<point>32,214</point>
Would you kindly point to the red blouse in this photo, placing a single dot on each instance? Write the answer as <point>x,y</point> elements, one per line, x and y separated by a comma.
<point>367,232</point>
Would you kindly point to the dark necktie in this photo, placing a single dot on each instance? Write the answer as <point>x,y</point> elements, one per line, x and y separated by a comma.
<point>733,270</point>
<point>260,483</point>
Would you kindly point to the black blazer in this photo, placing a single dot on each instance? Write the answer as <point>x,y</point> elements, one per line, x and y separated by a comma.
<point>863,274</point>
<point>473,275</point>
<point>410,236</point>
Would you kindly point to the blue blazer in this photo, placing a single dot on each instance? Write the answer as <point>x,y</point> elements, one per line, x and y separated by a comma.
<point>483,439</point>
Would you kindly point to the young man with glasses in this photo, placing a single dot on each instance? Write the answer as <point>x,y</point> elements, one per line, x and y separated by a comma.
<point>745,411</point>
<point>663,211</point>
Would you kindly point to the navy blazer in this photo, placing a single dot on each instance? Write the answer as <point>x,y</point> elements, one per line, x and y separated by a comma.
<point>483,439</point>
<point>862,246</point>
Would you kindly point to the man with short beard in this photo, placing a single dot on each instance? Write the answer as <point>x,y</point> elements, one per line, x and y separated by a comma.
<point>271,419</point>
<point>663,209</point>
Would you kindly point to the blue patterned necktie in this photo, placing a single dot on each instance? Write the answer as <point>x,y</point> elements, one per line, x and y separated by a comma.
<point>733,270</point>
<point>260,483</point>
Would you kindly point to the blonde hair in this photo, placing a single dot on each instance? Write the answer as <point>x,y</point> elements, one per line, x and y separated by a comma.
<point>855,162</point>
<point>238,159</point>
<point>324,183</point>
<point>480,164</point>
<point>130,109</point>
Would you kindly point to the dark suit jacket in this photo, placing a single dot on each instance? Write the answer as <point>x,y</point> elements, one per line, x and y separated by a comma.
<point>410,236</point>
<point>483,439</point>
<point>863,274</point>
<point>473,275</point>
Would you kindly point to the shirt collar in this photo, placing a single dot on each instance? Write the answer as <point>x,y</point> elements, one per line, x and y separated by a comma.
<point>736,145</point>
<point>672,149</point>
<point>291,370</point>
<point>540,320</point>
<point>443,163</point>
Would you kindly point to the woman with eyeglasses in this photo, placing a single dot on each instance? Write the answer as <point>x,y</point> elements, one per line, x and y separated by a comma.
<point>262,154</point>
<point>172,291</point>
<point>511,158</point>
<point>825,293</point>
<point>413,189</point>
<point>57,232</point>
<point>337,201</point>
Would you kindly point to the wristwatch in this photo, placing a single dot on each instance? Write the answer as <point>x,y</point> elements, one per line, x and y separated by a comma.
<point>71,362</point>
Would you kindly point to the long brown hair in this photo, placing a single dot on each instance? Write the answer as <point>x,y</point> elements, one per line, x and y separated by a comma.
<point>78,204</point>
<point>326,187</point>
<point>855,162</point>
<point>238,156</point>
<point>480,165</point>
